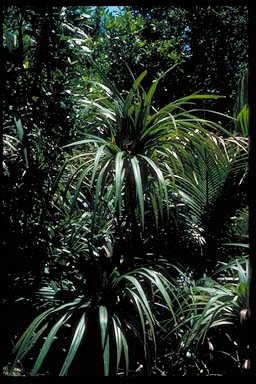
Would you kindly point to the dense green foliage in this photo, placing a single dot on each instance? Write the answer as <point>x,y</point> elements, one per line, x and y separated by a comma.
<point>124,191</point>
<point>157,38</point>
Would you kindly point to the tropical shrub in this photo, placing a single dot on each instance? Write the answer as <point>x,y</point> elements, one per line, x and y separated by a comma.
<point>136,150</point>
<point>119,308</point>
<point>212,328</point>
<point>141,183</point>
<point>121,168</point>
<point>205,179</point>
<point>139,165</point>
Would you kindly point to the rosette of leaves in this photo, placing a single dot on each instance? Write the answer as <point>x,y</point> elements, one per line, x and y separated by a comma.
<point>125,161</point>
<point>215,312</point>
<point>120,312</point>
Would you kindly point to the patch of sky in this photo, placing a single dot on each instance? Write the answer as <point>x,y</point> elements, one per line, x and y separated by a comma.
<point>114,10</point>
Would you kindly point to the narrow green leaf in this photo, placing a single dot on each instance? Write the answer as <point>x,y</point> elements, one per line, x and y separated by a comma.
<point>106,112</point>
<point>119,344</point>
<point>48,342</point>
<point>56,181</point>
<point>119,161</point>
<point>92,139</point>
<point>126,353</point>
<point>100,183</point>
<point>243,120</point>
<point>103,319</point>
<point>99,154</point>
<point>80,333</point>
<point>123,344</point>
<point>78,187</point>
<point>155,209</point>
<point>28,338</point>
<point>136,283</point>
<point>108,83</point>
<point>131,93</point>
<point>243,245</point>
<point>150,94</point>
<point>30,344</point>
<point>137,303</point>
<point>139,189</point>
<point>156,280</point>
<point>161,181</point>
<point>21,135</point>
<point>143,307</point>
<point>24,342</point>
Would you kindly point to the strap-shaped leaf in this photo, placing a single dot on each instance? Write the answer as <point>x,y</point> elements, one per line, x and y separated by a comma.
<point>23,345</point>
<point>99,154</point>
<point>142,311</point>
<point>106,112</point>
<point>49,340</point>
<point>155,209</point>
<point>107,82</point>
<point>151,92</point>
<point>28,345</point>
<point>131,93</point>
<point>141,293</point>
<point>29,333</point>
<point>103,319</point>
<point>79,335</point>
<point>21,135</point>
<point>78,187</point>
<point>243,121</point>
<point>118,340</point>
<point>139,188</point>
<point>121,343</point>
<point>161,284</point>
<point>100,183</point>
<point>119,170</point>
<point>160,179</point>
<point>91,139</point>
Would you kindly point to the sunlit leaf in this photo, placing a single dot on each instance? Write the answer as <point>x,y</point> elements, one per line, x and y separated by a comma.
<point>138,185</point>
